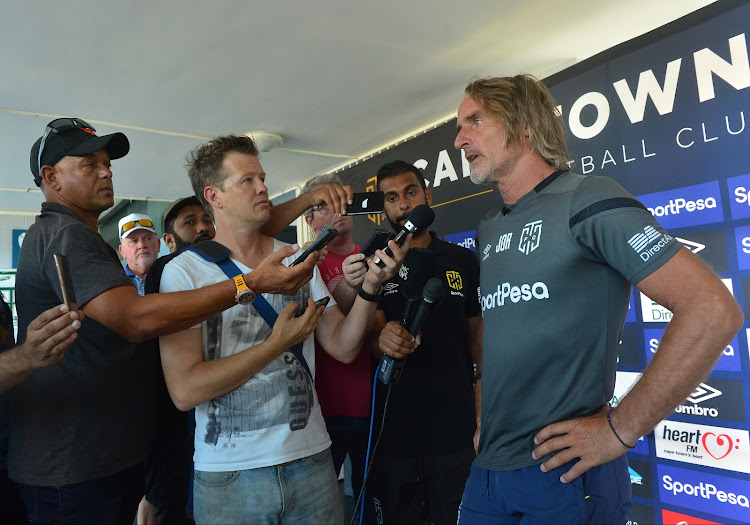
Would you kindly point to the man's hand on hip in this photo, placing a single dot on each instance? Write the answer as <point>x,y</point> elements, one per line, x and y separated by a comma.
<point>589,439</point>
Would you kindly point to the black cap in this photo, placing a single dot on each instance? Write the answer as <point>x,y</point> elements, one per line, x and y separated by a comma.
<point>75,141</point>
<point>173,209</point>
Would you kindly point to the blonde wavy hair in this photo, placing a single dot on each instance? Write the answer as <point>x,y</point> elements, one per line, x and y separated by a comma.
<point>523,101</point>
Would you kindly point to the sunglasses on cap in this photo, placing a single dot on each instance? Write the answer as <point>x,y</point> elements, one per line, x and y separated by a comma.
<point>132,224</point>
<point>62,124</point>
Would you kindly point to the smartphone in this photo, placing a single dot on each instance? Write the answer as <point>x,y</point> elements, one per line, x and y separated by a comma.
<point>301,310</point>
<point>366,203</point>
<point>326,236</point>
<point>377,241</point>
<point>66,281</point>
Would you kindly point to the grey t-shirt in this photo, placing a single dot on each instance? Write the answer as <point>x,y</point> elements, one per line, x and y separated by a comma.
<point>556,270</point>
<point>91,415</point>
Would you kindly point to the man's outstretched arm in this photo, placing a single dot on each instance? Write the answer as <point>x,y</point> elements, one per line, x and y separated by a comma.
<point>333,196</point>
<point>138,318</point>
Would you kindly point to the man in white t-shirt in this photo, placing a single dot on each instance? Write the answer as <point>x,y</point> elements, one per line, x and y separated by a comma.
<point>262,453</point>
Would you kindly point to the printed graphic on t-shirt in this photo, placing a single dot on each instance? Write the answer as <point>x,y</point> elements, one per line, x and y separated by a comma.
<point>280,394</point>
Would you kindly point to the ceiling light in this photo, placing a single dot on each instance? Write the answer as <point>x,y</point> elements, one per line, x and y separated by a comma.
<point>265,140</point>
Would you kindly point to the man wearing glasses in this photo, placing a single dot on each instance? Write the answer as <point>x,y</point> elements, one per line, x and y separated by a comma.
<point>81,430</point>
<point>343,389</point>
<point>139,246</point>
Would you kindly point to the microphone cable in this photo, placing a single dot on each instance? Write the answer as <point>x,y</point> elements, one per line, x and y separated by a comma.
<point>368,458</point>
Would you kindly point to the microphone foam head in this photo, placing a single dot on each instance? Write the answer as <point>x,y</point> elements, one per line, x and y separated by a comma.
<point>433,291</point>
<point>420,218</point>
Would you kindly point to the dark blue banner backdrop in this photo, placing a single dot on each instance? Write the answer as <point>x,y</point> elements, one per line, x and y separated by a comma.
<point>666,115</point>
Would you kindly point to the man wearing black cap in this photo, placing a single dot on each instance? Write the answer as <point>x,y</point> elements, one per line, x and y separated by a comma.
<point>81,430</point>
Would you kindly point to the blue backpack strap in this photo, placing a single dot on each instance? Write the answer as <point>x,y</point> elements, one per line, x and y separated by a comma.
<point>218,254</point>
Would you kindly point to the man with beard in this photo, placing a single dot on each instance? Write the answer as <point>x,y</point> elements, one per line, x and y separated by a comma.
<point>426,448</point>
<point>169,467</point>
<point>186,222</point>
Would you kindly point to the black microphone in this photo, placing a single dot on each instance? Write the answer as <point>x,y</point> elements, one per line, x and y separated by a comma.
<point>432,294</point>
<point>418,267</point>
<point>505,210</point>
<point>420,218</point>
<point>408,312</point>
<point>390,369</point>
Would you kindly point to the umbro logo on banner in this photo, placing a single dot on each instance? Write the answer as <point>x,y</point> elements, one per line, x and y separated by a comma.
<point>703,392</point>
<point>693,246</point>
<point>640,240</point>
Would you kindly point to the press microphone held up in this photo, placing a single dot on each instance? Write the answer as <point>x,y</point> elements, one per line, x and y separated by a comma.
<point>390,369</point>
<point>419,219</point>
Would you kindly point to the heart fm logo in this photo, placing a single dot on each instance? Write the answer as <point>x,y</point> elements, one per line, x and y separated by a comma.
<point>718,446</point>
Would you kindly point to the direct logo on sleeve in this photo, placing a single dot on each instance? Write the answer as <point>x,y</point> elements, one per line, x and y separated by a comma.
<point>644,245</point>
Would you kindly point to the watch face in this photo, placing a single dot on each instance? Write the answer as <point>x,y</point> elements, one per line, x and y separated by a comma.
<point>245,297</point>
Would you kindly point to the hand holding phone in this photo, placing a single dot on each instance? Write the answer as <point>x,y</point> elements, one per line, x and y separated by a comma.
<point>66,282</point>
<point>326,236</point>
<point>366,203</point>
<point>377,241</point>
<point>301,310</point>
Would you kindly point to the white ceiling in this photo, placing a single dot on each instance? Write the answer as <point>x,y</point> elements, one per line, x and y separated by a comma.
<point>337,78</point>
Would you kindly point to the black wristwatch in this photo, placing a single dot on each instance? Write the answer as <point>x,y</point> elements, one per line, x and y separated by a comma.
<point>371,297</point>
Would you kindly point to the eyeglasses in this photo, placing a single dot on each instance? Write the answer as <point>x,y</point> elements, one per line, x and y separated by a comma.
<point>132,224</point>
<point>321,210</point>
<point>61,124</point>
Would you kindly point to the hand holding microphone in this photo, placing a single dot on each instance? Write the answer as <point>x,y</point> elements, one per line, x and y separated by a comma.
<point>394,338</point>
<point>420,218</point>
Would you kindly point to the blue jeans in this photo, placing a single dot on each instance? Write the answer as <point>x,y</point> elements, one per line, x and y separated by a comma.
<point>113,499</point>
<point>528,495</point>
<point>301,491</point>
